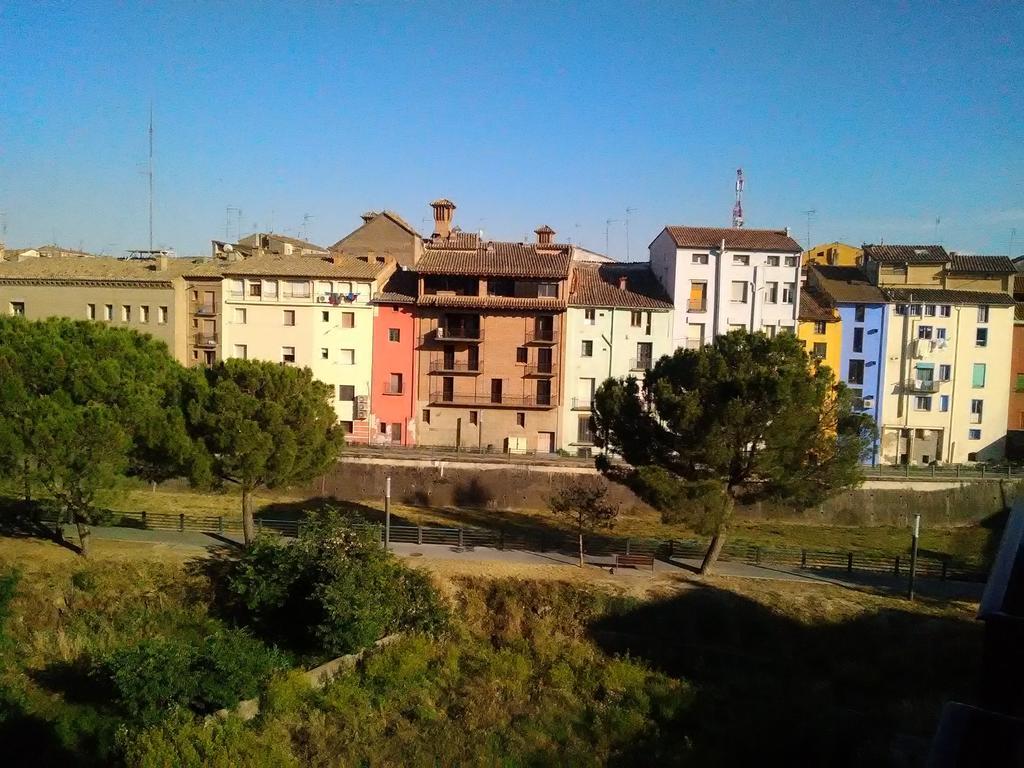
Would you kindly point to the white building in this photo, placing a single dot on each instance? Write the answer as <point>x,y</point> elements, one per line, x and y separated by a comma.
<point>308,311</point>
<point>721,279</point>
<point>618,323</point>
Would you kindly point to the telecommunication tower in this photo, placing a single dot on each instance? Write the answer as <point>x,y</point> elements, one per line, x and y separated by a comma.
<point>737,208</point>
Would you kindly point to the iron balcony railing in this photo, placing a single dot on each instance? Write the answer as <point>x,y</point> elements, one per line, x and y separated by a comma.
<point>206,339</point>
<point>438,364</point>
<point>924,386</point>
<point>204,309</point>
<point>458,333</point>
<point>641,364</point>
<point>439,397</point>
<point>540,369</point>
<point>541,336</point>
<point>582,403</point>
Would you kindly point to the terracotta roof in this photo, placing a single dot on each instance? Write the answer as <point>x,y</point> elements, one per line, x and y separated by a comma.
<point>491,302</point>
<point>443,201</point>
<point>815,306</point>
<point>253,240</point>
<point>735,238</point>
<point>399,289</point>
<point>844,285</point>
<point>499,259</point>
<point>94,269</point>
<point>456,239</point>
<point>964,262</point>
<point>942,296</point>
<point>597,285</point>
<point>906,254</point>
<point>370,216</point>
<point>306,266</point>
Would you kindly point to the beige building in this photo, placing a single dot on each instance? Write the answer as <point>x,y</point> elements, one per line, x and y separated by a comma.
<point>382,234</point>
<point>147,295</point>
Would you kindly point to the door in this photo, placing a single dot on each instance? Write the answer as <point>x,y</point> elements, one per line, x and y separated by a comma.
<point>545,328</point>
<point>495,390</point>
<point>544,360</point>
<point>449,357</point>
<point>543,393</point>
<point>545,442</point>
<point>208,301</point>
<point>396,433</point>
<point>644,353</point>
<point>447,389</point>
<point>474,358</point>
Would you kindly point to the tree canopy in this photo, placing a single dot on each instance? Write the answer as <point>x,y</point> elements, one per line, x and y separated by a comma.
<point>745,417</point>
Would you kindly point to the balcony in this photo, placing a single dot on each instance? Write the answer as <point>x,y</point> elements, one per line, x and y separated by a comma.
<point>438,364</point>
<point>206,310</point>
<point>641,364</point>
<point>693,343</point>
<point>438,397</point>
<point>541,336</point>
<point>206,339</point>
<point>697,305</point>
<point>922,386</point>
<point>582,403</point>
<point>540,369</point>
<point>458,333</point>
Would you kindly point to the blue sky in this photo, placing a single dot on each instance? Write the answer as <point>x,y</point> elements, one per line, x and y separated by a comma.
<point>880,118</point>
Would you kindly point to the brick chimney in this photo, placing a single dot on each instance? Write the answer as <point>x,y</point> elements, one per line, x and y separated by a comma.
<point>623,282</point>
<point>545,235</point>
<point>444,211</point>
<point>368,217</point>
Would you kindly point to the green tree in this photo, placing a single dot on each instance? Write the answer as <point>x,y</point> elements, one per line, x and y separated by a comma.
<point>584,502</point>
<point>745,417</point>
<point>263,425</point>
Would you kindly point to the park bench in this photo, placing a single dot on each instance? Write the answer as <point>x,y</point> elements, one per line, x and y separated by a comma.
<point>634,561</point>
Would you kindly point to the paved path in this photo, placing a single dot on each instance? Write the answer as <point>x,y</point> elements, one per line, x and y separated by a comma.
<point>191,540</point>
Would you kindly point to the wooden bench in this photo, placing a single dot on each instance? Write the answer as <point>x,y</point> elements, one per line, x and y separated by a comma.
<point>634,561</point>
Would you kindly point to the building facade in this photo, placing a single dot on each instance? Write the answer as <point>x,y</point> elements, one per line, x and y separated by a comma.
<point>393,382</point>
<point>723,279</point>
<point>383,233</point>
<point>618,323</point>
<point>834,254</point>
<point>820,328</point>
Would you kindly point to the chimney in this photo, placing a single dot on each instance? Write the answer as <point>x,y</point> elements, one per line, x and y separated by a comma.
<point>368,217</point>
<point>161,262</point>
<point>623,282</point>
<point>444,210</point>
<point>545,235</point>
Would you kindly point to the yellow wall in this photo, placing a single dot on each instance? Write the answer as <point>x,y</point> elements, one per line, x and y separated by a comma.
<point>834,254</point>
<point>832,338</point>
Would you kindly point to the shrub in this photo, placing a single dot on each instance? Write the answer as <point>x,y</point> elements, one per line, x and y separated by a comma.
<point>232,666</point>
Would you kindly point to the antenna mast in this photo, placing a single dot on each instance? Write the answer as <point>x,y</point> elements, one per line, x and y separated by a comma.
<point>607,226</point>
<point>737,208</point>
<point>150,174</point>
<point>629,211</point>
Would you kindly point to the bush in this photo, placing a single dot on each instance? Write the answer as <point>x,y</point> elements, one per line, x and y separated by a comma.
<point>147,680</point>
<point>333,591</point>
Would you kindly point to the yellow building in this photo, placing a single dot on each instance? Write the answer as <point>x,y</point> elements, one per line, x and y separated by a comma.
<point>833,255</point>
<point>819,328</point>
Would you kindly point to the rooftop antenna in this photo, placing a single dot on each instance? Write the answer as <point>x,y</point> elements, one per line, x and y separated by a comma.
<point>577,231</point>
<point>607,226</point>
<point>228,211</point>
<point>1009,251</point>
<point>810,216</point>
<point>3,226</point>
<point>937,221</point>
<point>306,218</point>
<point>149,173</point>
<point>628,212</point>
<point>737,208</point>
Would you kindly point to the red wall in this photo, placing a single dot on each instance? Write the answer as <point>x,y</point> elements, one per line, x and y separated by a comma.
<point>393,357</point>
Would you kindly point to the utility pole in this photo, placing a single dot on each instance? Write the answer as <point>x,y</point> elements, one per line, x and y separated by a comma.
<point>913,555</point>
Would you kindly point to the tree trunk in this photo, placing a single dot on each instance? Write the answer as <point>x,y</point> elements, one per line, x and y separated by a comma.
<point>83,538</point>
<point>581,549</point>
<point>248,524</point>
<point>718,540</point>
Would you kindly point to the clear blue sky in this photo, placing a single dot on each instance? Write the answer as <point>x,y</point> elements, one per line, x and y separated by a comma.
<point>881,119</point>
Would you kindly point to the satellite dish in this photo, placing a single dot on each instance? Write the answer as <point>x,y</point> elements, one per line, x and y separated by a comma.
<point>228,247</point>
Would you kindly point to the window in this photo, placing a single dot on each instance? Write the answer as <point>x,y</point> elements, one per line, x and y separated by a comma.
<point>394,334</point>
<point>346,392</point>
<point>161,315</point>
<point>588,349</point>
<point>855,372</point>
<point>976,410</point>
<point>394,384</point>
<point>819,327</point>
<point>348,319</point>
<point>520,419</point>
<point>474,417</point>
<point>636,319</point>
<point>924,331</point>
<point>773,261</point>
<point>296,289</point>
<point>943,403</point>
<point>698,297</point>
<point>347,356</point>
<point>324,354</point>
<point>974,434</point>
<point>108,312</point>
<point>289,317</point>
<point>982,314</point>
<point>858,313</point>
<point>922,403</point>
<point>978,377</point>
<point>771,293</point>
<point>255,288</point>
<point>583,433</point>
<point>287,354</point>
<point>788,293</point>
<point>547,290</point>
<point>18,308</point>
<point>820,350</point>
<point>858,339</point>
<point>590,316</point>
<point>940,333</point>
<point>739,291</point>
<point>325,316</point>
<point>521,355</point>
<point>945,371</point>
<point>1020,382</point>
<point>981,337</point>
<point>239,316</point>
<point>791,261</point>
<point>425,416</point>
<point>346,427</point>
<point>90,311</point>
<point>270,289</point>
<point>144,314</point>
<point>740,261</point>
<point>236,288</point>
<point>945,310</point>
<point>241,351</point>
<point>126,313</point>
<point>699,258</point>
<point>929,310</point>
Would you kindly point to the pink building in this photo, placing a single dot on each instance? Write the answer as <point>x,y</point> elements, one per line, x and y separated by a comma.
<point>393,380</point>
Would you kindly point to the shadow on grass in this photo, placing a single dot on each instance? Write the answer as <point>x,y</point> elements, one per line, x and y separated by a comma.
<point>772,689</point>
<point>20,519</point>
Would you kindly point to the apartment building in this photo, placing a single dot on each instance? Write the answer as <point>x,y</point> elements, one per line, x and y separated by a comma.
<point>146,295</point>
<point>820,328</point>
<point>720,279</point>
<point>393,381</point>
<point>948,350</point>
<point>309,311</point>
<point>204,301</point>
<point>618,323</point>
<point>491,323</point>
<point>863,322</point>
<point>382,233</point>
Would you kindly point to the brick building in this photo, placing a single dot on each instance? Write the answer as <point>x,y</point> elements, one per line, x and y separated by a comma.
<point>393,379</point>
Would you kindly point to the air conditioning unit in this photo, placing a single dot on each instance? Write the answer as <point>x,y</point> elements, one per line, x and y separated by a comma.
<point>867,402</point>
<point>321,299</point>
